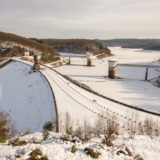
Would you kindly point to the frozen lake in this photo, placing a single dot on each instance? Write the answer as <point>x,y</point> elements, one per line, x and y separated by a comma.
<point>131,89</point>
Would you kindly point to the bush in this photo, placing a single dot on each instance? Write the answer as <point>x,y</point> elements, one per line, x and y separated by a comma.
<point>69,131</point>
<point>48,126</point>
<point>74,149</point>
<point>149,125</point>
<point>120,152</point>
<point>7,129</point>
<point>45,135</point>
<point>37,155</point>
<point>3,129</point>
<point>92,153</point>
<point>44,158</point>
<point>64,138</point>
<point>17,142</point>
<point>111,130</point>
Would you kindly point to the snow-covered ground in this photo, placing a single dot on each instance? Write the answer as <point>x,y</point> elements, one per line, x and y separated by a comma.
<point>26,96</point>
<point>131,89</point>
<point>72,54</point>
<point>85,106</point>
<point>55,149</point>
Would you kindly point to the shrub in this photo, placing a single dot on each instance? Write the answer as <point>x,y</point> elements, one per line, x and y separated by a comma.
<point>138,157</point>
<point>69,131</point>
<point>120,152</point>
<point>149,125</point>
<point>92,153</point>
<point>34,141</point>
<point>7,128</point>
<point>17,142</point>
<point>64,138</point>
<point>128,151</point>
<point>48,126</point>
<point>74,149</point>
<point>83,135</point>
<point>107,141</point>
<point>44,158</point>
<point>17,156</point>
<point>37,155</point>
<point>3,129</point>
<point>45,135</point>
<point>111,130</point>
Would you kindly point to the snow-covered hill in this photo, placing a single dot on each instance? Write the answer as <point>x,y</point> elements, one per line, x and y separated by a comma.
<point>26,96</point>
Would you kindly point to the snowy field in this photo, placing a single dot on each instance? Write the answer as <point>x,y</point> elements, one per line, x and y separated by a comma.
<point>131,89</point>
<point>55,149</point>
<point>26,96</point>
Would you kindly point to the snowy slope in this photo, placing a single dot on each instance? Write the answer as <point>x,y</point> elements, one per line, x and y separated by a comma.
<point>131,89</point>
<point>26,96</point>
<point>55,149</point>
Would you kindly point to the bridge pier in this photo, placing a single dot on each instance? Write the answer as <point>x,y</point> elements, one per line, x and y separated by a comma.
<point>89,59</point>
<point>112,69</point>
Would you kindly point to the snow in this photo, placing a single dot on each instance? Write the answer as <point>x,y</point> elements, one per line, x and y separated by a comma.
<point>146,147</point>
<point>72,54</point>
<point>131,89</point>
<point>69,100</point>
<point>83,105</point>
<point>26,96</point>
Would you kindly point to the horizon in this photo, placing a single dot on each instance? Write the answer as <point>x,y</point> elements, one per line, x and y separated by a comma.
<point>85,38</point>
<point>82,19</point>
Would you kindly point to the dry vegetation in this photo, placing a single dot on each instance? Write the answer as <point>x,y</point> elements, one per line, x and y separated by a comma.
<point>107,128</point>
<point>110,127</point>
<point>17,142</point>
<point>7,128</point>
<point>37,155</point>
<point>20,44</point>
<point>77,46</point>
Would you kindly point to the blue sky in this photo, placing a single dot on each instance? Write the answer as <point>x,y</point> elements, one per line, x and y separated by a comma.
<point>104,19</point>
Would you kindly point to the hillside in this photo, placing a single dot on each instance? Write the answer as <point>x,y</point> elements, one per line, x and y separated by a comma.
<point>26,96</point>
<point>14,45</point>
<point>76,46</point>
<point>147,44</point>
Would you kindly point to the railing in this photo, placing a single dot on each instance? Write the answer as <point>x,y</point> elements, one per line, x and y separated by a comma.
<point>141,66</point>
<point>5,62</point>
<point>138,65</point>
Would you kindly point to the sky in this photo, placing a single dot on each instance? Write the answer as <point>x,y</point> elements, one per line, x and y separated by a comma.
<point>103,19</point>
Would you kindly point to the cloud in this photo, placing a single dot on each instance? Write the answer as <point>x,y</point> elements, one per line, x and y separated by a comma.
<point>81,18</point>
